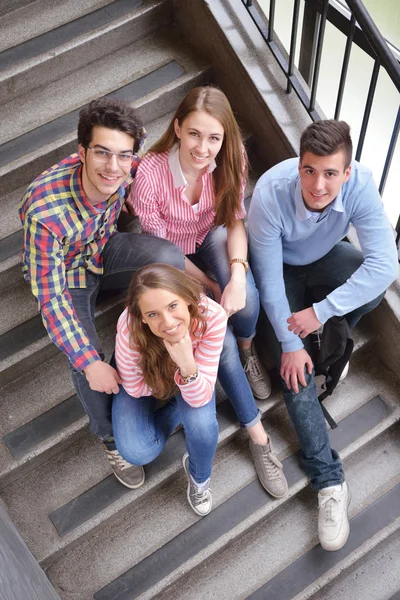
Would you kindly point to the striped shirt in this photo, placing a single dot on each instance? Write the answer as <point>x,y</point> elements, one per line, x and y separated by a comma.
<point>64,238</point>
<point>158,199</point>
<point>206,352</point>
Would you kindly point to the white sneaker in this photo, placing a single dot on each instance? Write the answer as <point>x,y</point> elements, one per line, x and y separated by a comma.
<point>333,521</point>
<point>200,500</point>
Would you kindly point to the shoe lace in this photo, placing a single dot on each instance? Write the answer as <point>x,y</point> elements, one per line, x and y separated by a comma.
<point>117,460</point>
<point>253,368</point>
<point>200,496</point>
<point>329,504</point>
<point>272,465</point>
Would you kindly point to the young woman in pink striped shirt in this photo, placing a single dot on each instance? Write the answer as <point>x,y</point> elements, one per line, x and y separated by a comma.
<point>168,346</point>
<point>189,189</point>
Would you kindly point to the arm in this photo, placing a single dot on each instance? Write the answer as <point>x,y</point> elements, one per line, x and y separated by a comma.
<point>127,360</point>
<point>265,240</point>
<point>43,257</point>
<point>234,295</point>
<point>380,266</point>
<point>206,358</point>
<point>265,237</point>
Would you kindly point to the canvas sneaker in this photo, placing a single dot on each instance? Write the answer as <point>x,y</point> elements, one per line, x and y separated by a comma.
<point>199,498</point>
<point>131,476</point>
<point>269,469</point>
<point>333,521</point>
<point>258,378</point>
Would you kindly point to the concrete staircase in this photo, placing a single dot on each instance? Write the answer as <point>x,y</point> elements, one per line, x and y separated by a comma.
<point>95,538</point>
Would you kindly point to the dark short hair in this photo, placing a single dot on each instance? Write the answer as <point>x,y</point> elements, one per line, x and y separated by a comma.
<point>327,137</point>
<point>111,113</point>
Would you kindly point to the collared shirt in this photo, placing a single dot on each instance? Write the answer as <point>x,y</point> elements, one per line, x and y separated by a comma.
<point>281,231</point>
<point>206,351</point>
<point>64,238</point>
<point>158,199</point>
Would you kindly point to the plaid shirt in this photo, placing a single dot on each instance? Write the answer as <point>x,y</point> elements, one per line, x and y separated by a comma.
<point>64,237</point>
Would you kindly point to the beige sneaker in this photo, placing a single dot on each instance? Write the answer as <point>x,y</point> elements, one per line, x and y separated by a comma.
<point>258,378</point>
<point>131,476</point>
<point>269,469</point>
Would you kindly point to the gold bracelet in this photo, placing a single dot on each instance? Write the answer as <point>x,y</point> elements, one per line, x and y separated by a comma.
<point>242,261</point>
<point>189,378</point>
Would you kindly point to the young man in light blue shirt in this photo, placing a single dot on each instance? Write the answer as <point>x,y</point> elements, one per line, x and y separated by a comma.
<point>300,212</point>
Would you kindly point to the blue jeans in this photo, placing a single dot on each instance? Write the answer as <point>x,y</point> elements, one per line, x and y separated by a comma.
<point>141,431</point>
<point>213,253</point>
<point>321,463</point>
<point>123,255</point>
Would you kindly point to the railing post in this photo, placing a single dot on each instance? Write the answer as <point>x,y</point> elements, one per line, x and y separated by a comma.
<point>308,44</point>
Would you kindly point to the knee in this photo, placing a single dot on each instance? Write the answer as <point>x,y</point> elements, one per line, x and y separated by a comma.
<point>170,254</point>
<point>230,350</point>
<point>202,428</point>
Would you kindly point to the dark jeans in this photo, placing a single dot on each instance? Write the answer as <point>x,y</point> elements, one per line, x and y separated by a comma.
<point>321,463</point>
<point>124,254</point>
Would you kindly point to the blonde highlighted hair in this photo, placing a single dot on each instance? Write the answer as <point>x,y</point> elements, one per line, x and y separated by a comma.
<point>231,159</point>
<point>157,366</point>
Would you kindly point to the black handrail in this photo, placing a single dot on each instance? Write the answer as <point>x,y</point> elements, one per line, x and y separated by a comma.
<point>376,39</point>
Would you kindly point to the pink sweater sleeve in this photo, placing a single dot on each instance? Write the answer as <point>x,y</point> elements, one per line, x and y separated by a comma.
<point>206,355</point>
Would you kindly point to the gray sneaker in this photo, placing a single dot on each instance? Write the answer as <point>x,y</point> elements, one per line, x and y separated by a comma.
<point>257,376</point>
<point>131,476</point>
<point>269,469</point>
<point>199,500</point>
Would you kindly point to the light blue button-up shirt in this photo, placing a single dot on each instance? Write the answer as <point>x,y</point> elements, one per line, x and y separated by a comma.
<point>282,230</point>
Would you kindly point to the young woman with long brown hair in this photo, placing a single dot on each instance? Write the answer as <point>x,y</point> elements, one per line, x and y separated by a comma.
<point>168,345</point>
<point>189,189</point>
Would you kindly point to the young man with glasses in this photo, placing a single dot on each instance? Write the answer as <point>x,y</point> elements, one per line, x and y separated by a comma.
<point>299,214</point>
<point>72,251</point>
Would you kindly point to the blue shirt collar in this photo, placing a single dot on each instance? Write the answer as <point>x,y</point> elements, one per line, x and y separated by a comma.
<point>303,214</point>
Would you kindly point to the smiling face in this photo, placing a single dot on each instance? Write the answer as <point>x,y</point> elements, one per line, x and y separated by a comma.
<point>322,178</point>
<point>166,314</point>
<point>201,137</point>
<point>100,181</point>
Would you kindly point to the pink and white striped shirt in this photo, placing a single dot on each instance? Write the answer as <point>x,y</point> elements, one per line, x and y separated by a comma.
<point>206,351</point>
<point>158,199</point>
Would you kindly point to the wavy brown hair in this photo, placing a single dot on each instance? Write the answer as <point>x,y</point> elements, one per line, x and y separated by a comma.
<point>231,159</point>
<point>157,366</point>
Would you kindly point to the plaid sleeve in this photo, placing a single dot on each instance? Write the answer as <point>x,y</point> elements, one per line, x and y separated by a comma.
<point>44,260</point>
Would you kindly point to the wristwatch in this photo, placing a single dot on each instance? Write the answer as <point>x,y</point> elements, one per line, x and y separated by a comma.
<point>242,261</point>
<point>189,378</point>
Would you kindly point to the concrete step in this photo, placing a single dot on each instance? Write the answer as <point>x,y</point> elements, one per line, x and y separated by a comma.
<point>374,575</point>
<point>41,415</point>
<point>152,74</point>
<point>41,16</point>
<point>78,501</point>
<point>150,546</point>
<point>281,559</point>
<point>86,32</point>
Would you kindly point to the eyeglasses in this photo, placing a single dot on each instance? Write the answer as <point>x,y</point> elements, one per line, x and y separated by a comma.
<point>124,159</point>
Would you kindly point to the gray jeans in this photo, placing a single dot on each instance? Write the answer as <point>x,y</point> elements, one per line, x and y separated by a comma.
<point>124,254</point>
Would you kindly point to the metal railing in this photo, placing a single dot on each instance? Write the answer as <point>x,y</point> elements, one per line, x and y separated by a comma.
<point>359,28</point>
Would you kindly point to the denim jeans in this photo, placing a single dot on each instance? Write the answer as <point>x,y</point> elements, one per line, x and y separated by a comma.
<point>213,253</point>
<point>321,463</point>
<point>141,431</point>
<point>124,254</point>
